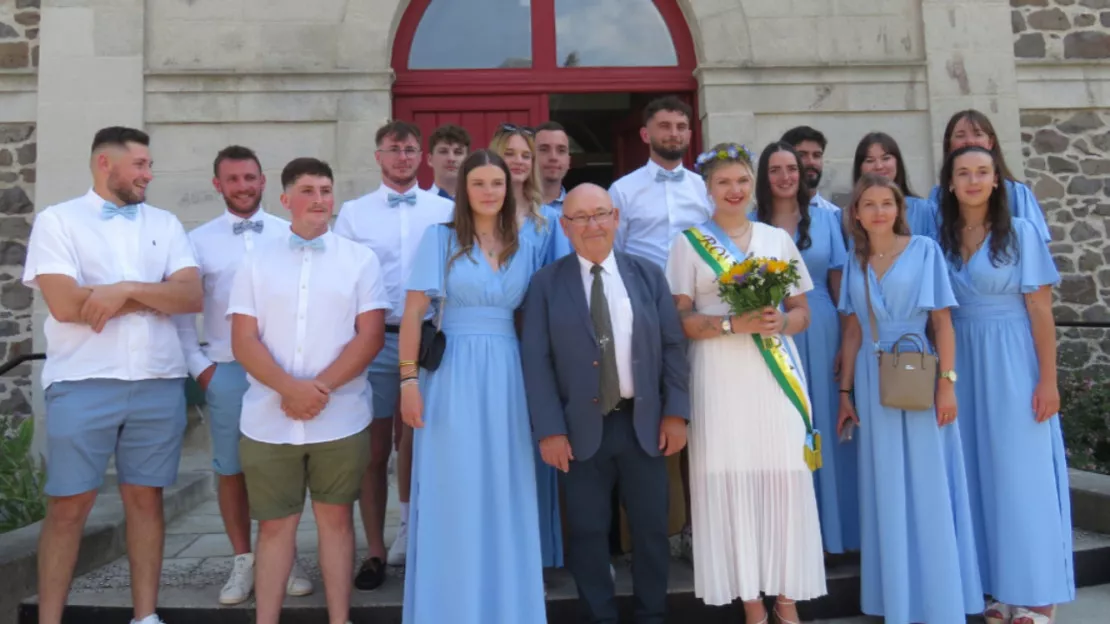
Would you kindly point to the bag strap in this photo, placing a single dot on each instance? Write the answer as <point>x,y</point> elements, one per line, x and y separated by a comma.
<point>442,299</point>
<point>870,308</point>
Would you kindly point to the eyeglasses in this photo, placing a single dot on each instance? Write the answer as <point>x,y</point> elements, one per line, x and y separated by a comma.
<point>396,151</point>
<point>583,220</point>
<point>513,128</point>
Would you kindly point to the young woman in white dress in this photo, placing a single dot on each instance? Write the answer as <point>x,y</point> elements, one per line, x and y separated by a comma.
<point>755,524</point>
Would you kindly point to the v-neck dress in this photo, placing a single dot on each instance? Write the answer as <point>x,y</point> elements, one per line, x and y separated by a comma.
<point>755,523</point>
<point>1017,470</point>
<point>543,236</point>
<point>474,543</point>
<point>918,561</point>
<point>836,482</point>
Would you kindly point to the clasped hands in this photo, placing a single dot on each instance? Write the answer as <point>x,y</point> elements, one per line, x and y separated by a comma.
<point>304,399</point>
<point>766,322</point>
<point>557,453</point>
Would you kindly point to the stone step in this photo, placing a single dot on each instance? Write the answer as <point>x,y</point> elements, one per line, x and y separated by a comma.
<point>190,587</point>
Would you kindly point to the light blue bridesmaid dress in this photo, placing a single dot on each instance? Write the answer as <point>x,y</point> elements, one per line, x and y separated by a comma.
<point>1023,204</point>
<point>837,482</point>
<point>1017,472</point>
<point>921,216</point>
<point>918,558</point>
<point>474,543</point>
<point>544,237</point>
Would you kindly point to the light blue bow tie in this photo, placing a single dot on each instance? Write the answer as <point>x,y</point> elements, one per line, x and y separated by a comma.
<point>109,210</point>
<point>662,175</point>
<point>395,199</point>
<point>245,225</point>
<point>296,242</point>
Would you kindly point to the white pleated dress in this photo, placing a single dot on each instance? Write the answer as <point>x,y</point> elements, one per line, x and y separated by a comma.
<point>755,523</point>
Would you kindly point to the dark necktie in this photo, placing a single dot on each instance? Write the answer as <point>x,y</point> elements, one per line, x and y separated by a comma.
<point>603,327</point>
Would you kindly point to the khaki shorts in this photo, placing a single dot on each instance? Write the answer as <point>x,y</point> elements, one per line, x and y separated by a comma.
<point>278,474</point>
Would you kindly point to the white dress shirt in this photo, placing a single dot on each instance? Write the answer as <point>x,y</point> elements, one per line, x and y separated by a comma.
<point>393,233</point>
<point>653,213</point>
<point>219,252</point>
<point>72,239</point>
<point>620,316</point>
<point>306,302</point>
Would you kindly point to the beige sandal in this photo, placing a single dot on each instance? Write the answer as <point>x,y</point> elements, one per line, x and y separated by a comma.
<point>998,613</point>
<point>782,620</point>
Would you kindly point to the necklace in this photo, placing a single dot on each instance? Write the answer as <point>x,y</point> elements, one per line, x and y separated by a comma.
<point>741,233</point>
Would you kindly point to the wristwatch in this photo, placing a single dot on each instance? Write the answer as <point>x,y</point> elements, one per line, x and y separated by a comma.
<point>950,375</point>
<point>726,324</point>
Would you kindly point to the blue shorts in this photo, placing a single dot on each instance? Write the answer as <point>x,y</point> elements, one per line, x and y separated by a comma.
<point>225,404</point>
<point>142,422</point>
<point>385,379</point>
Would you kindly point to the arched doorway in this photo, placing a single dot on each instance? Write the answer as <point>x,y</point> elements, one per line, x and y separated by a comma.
<point>590,65</point>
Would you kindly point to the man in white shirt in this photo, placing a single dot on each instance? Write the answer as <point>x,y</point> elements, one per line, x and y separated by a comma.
<point>810,144</point>
<point>553,159</point>
<point>307,315</point>
<point>112,271</point>
<point>657,202</point>
<point>448,146</point>
<point>390,221</point>
<point>220,246</point>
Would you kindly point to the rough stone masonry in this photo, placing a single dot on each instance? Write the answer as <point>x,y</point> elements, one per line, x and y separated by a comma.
<point>19,34</point>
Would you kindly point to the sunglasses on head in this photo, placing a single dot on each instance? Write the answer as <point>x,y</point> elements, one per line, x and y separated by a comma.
<point>513,128</point>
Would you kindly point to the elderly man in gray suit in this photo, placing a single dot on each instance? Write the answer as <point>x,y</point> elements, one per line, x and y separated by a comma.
<point>605,369</point>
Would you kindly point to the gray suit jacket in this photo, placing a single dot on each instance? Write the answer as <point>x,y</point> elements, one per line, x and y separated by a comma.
<point>560,354</point>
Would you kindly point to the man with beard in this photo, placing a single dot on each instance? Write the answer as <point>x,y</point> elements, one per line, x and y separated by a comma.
<point>220,247</point>
<point>112,270</point>
<point>810,145</point>
<point>656,203</point>
<point>447,148</point>
<point>553,158</point>
<point>390,221</point>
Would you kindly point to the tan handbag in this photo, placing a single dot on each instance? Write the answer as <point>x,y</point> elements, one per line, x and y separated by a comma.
<point>907,381</point>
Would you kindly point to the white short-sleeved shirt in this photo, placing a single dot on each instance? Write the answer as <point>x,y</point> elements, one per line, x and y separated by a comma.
<point>393,233</point>
<point>306,302</point>
<point>219,252</point>
<point>653,212</point>
<point>72,239</point>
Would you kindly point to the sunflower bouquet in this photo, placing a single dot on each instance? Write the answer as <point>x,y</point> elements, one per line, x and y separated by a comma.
<point>757,283</point>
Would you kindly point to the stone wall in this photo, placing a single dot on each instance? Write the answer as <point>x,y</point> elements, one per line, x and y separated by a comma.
<point>19,53</point>
<point>1061,29</point>
<point>17,177</point>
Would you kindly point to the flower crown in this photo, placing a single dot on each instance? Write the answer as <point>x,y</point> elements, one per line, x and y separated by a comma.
<point>732,152</point>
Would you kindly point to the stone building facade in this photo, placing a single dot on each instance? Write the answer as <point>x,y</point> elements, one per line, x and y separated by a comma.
<point>1062,51</point>
<point>292,78</point>
<point>19,35</point>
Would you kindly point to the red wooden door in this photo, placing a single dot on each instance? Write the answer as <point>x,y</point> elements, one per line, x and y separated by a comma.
<point>629,150</point>
<point>479,115</point>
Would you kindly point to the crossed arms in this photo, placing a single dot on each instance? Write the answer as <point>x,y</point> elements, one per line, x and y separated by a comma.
<point>180,293</point>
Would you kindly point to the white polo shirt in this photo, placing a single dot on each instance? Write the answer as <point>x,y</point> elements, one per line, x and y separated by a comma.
<point>393,233</point>
<point>219,252</point>
<point>654,212</point>
<point>306,302</point>
<point>72,239</point>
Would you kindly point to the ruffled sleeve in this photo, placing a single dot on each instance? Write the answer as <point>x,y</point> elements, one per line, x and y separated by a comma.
<point>936,289</point>
<point>428,265</point>
<point>838,255</point>
<point>844,306</point>
<point>1034,260</point>
<point>681,271</point>
<point>1024,204</point>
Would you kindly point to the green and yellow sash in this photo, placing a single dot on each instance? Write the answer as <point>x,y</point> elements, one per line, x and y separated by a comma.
<point>714,249</point>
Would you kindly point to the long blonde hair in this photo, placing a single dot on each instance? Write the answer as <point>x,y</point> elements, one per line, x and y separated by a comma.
<point>532,188</point>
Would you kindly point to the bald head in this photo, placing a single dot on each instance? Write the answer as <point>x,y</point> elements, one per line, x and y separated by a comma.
<point>590,221</point>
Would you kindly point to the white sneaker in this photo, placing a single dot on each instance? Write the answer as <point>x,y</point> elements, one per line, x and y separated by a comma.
<point>399,549</point>
<point>239,585</point>
<point>150,619</point>
<point>299,584</point>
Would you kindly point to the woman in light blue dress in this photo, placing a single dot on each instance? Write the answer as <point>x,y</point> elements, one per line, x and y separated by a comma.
<point>971,127</point>
<point>537,223</point>
<point>474,543</point>
<point>1017,472</point>
<point>878,153</point>
<point>918,560</point>
<point>783,202</point>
